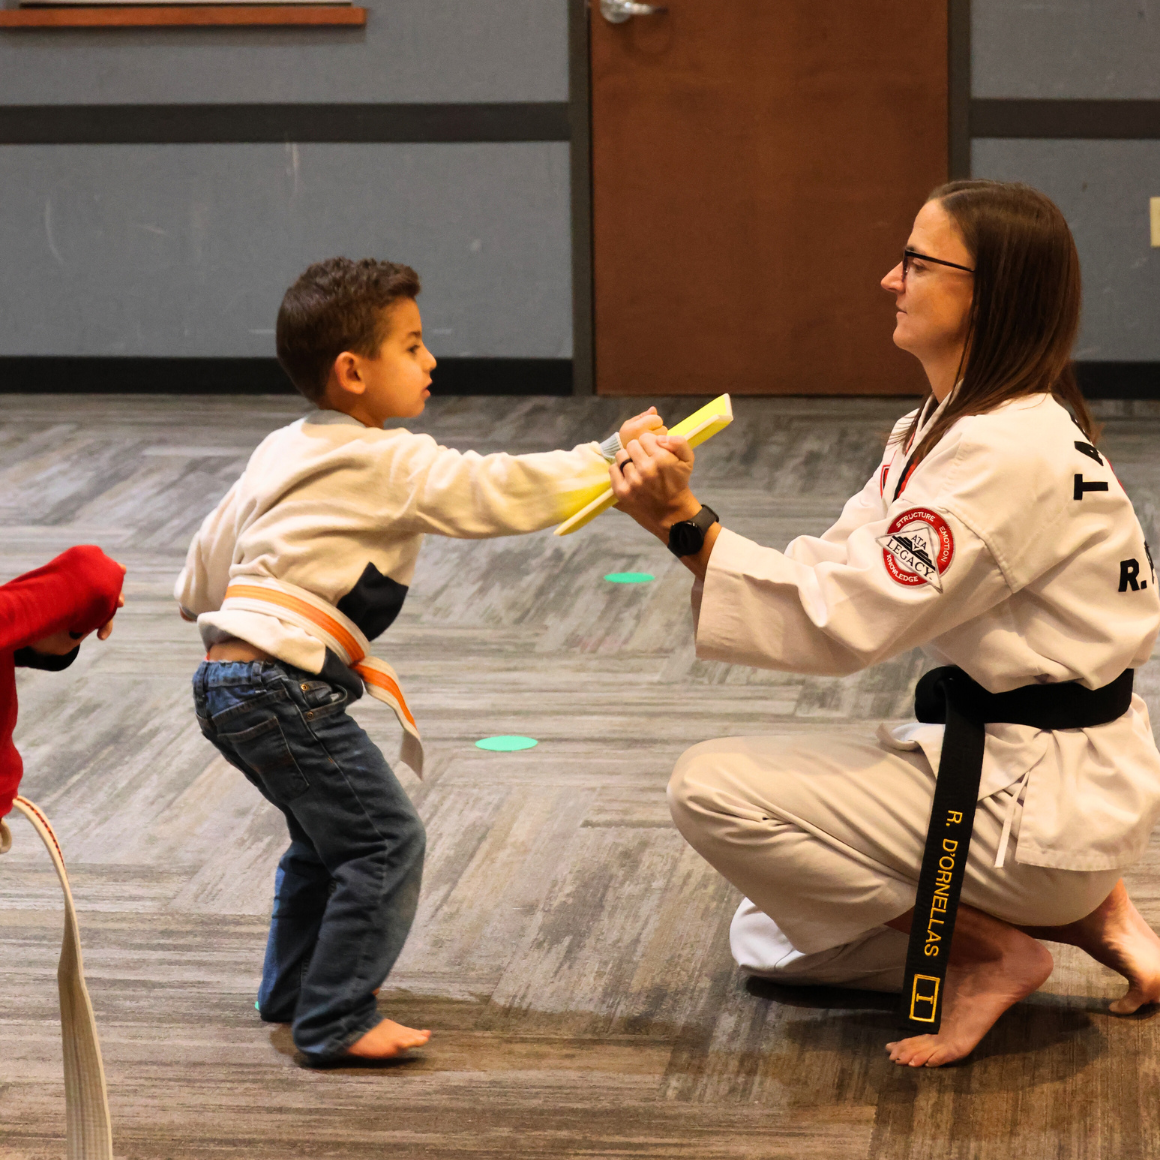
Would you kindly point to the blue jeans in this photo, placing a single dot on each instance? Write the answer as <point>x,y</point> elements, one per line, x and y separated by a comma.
<point>346,889</point>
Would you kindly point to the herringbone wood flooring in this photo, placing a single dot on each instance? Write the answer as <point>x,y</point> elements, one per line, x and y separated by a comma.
<point>570,951</point>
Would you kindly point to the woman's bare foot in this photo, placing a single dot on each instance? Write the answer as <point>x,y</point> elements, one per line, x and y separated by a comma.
<point>991,967</point>
<point>1116,935</point>
<point>387,1039</point>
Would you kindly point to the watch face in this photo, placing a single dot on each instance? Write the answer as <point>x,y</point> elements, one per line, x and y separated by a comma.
<point>685,538</point>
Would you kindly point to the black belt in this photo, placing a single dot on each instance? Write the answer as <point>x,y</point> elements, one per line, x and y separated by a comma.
<point>949,695</point>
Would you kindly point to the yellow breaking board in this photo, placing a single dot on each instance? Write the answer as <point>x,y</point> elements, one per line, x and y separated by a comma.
<point>698,427</point>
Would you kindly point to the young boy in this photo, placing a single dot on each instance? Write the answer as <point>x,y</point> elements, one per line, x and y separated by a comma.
<point>308,557</point>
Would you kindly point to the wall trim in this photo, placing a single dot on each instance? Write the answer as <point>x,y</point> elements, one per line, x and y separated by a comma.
<point>580,101</point>
<point>1094,120</point>
<point>958,89</point>
<point>49,374</point>
<point>1119,380</point>
<point>259,124</point>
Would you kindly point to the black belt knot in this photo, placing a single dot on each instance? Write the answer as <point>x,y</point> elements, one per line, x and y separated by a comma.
<point>949,696</point>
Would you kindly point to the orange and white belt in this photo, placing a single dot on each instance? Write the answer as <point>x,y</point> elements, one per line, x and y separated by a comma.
<point>340,634</point>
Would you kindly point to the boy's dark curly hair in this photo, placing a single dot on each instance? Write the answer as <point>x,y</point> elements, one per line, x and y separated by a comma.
<point>334,306</point>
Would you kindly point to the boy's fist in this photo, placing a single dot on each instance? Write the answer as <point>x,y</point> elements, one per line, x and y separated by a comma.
<point>635,427</point>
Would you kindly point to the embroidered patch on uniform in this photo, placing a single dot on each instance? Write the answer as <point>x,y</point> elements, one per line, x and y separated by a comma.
<point>917,548</point>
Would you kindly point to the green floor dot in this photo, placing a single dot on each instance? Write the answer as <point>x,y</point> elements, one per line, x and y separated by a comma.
<point>506,744</point>
<point>629,577</point>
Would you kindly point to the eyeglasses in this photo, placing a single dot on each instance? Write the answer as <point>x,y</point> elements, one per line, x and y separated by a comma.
<point>909,255</point>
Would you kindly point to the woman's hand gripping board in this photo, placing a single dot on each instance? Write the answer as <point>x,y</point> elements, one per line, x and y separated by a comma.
<point>698,427</point>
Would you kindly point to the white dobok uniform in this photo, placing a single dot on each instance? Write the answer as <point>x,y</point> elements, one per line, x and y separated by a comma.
<point>340,509</point>
<point>1011,551</point>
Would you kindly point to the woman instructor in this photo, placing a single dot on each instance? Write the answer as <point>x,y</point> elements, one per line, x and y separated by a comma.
<point>995,535</point>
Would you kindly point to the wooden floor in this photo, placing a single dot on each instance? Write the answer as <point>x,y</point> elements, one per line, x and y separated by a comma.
<point>570,951</point>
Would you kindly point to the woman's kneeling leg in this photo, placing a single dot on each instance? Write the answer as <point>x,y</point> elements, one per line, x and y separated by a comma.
<point>825,834</point>
<point>819,832</point>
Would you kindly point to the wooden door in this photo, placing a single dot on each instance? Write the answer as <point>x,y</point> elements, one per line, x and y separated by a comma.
<point>756,166</point>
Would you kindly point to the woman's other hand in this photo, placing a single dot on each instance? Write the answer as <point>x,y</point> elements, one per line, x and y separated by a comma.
<point>651,482</point>
<point>635,427</point>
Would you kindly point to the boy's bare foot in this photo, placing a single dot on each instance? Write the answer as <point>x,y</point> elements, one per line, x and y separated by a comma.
<point>991,967</point>
<point>1116,935</point>
<point>387,1039</point>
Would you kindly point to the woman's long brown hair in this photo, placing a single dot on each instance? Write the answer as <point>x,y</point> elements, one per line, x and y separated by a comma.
<point>1024,314</point>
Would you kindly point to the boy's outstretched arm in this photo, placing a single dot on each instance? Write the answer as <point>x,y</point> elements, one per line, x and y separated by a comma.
<point>472,496</point>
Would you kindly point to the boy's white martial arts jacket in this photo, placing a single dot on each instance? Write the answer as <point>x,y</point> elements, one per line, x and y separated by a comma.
<point>1012,551</point>
<point>339,509</point>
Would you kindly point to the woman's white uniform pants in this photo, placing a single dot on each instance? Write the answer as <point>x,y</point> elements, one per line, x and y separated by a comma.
<point>824,836</point>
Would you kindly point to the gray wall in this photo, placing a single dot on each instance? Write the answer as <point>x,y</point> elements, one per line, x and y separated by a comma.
<point>1103,189</point>
<point>1090,49</point>
<point>185,250</point>
<point>1083,50</point>
<point>410,50</point>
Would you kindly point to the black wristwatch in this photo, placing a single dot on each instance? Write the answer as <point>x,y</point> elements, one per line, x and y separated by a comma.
<point>688,537</point>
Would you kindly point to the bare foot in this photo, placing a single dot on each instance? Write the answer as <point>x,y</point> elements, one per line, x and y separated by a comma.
<point>991,967</point>
<point>387,1039</point>
<point>1116,935</point>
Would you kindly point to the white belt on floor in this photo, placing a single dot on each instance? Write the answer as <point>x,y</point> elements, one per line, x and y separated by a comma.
<point>89,1131</point>
<point>341,635</point>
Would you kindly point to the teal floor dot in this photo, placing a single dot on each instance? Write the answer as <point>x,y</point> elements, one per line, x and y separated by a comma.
<point>629,577</point>
<point>506,744</point>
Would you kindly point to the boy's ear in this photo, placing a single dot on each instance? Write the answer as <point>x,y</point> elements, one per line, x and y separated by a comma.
<point>346,373</point>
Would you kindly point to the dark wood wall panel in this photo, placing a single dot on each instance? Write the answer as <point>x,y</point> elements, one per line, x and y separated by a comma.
<point>757,165</point>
